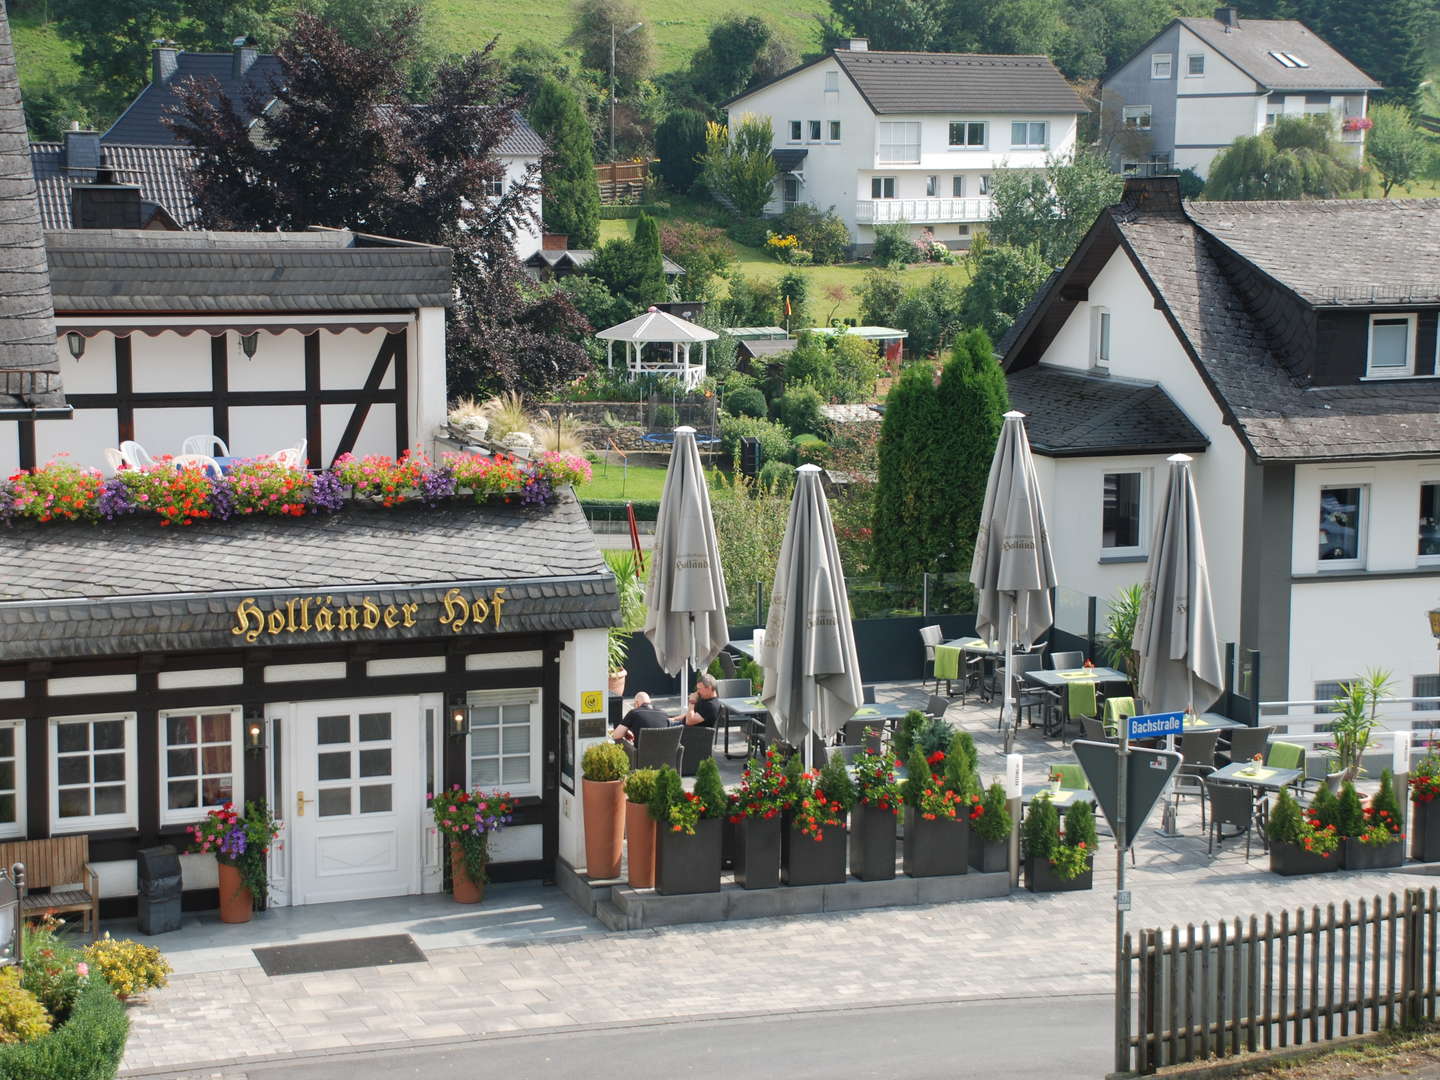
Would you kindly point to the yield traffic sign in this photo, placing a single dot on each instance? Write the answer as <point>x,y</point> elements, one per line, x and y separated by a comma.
<point>1148,772</point>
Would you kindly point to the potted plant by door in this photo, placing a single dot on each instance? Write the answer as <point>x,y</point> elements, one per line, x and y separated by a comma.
<point>465,821</point>
<point>602,781</point>
<point>990,833</point>
<point>1371,836</point>
<point>241,843</point>
<point>687,835</point>
<point>757,811</point>
<point>640,828</point>
<point>937,835</point>
<point>1425,809</point>
<point>812,849</point>
<point>872,821</point>
<point>1056,863</point>
<point>1299,842</point>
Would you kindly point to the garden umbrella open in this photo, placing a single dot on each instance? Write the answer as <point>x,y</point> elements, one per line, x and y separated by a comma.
<point>812,674</point>
<point>685,598</point>
<point>1175,633</point>
<point>1012,571</point>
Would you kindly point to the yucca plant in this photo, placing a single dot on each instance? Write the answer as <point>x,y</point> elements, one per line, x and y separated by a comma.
<point>630,587</point>
<point>1120,623</point>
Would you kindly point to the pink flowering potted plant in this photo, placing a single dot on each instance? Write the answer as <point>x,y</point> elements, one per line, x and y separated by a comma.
<point>466,820</point>
<point>240,842</point>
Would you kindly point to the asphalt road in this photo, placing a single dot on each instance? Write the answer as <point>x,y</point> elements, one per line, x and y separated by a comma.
<point>1039,1038</point>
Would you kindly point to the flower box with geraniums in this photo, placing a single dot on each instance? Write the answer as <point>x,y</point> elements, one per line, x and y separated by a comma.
<point>937,818</point>
<point>1425,809</point>
<point>687,835</point>
<point>1300,842</point>
<point>757,810</point>
<point>1372,837</point>
<point>241,844</point>
<point>812,849</point>
<point>990,833</point>
<point>466,820</point>
<point>603,768</point>
<point>1056,861</point>
<point>640,829</point>
<point>872,822</point>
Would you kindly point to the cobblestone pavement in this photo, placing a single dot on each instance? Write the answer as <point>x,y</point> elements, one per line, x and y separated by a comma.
<point>1019,946</point>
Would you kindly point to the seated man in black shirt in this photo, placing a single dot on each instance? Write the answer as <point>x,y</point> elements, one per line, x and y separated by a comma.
<point>641,715</point>
<point>705,708</point>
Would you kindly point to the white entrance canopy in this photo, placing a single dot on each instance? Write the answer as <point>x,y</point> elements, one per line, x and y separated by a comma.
<point>660,328</point>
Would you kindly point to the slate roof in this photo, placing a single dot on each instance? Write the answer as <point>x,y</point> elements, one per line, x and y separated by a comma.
<point>1249,46</point>
<point>85,590</point>
<point>1391,246</point>
<point>920,82</point>
<point>161,172</point>
<point>29,363</point>
<point>1075,414</point>
<point>138,270</point>
<point>579,258</point>
<point>143,120</point>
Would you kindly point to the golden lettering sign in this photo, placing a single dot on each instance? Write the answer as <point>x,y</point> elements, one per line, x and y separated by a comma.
<point>301,615</point>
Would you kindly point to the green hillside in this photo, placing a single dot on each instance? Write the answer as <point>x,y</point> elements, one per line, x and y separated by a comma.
<point>42,56</point>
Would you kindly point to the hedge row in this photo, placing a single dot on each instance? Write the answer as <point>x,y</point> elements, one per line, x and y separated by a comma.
<point>614,509</point>
<point>614,211</point>
<point>88,1046</point>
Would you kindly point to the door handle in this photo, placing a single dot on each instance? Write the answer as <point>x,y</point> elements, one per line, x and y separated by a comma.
<point>300,802</point>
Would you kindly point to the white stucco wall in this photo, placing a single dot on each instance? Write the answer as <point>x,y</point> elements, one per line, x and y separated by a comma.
<point>527,237</point>
<point>582,670</point>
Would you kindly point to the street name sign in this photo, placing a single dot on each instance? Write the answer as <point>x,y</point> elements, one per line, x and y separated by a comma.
<point>1156,725</point>
<point>1148,773</point>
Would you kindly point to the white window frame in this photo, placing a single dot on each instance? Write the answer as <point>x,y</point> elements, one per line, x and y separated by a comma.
<point>1142,531</point>
<point>815,129</point>
<point>499,698</point>
<point>494,188</point>
<point>833,130</point>
<point>1029,144</point>
<point>17,827</point>
<point>128,819</point>
<point>797,129</point>
<point>932,186</point>
<point>1425,560</point>
<point>189,815</point>
<point>882,181</point>
<point>1362,528</point>
<point>985,184</point>
<point>1159,61</point>
<point>1102,342</point>
<point>1190,72</point>
<point>957,186</point>
<point>888,142</point>
<point>984,142</point>
<point>1410,346</point>
<point>832,82</point>
<point>1137,113</point>
<point>788,181</point>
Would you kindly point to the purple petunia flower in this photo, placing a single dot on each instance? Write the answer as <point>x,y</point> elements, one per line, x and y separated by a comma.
<point>115,499</point>
<point>537,491</point>
<point>222,498</point>
<point>326,493</point>
<point>437,483</point>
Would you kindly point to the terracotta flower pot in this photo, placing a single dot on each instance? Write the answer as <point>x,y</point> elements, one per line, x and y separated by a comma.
<point>462,888</point>
<point>236,902</point>
<point>640,844</point>
<point>604,826</point>
<point>617,683</point>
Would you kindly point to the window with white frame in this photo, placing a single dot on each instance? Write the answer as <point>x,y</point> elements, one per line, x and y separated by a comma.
<point>969,134</point>
<point>1099,337</point>
<point>832,82</point>
<point>12,778</point>
<point>814,130</point>
<point>495,187</point>
<point>1160,65</point>
<point>985,184</point>
<point>957,187</point>
<point>932,186</point>
<point>1392,346</point>
<point>1427,545</point>
<point>92,762</point>
<point>1342,526</point>
<point>795,130</point>
<point>1137,117</point>
<point>505,741</point>
<point>1195,66</point>
<point>790,186</point>
<point>900,141</point>
<point>834,130</point>
<point>1029,134</point>
<point>200,762</point>
<point>1122,517</point>
<point>882,187</point>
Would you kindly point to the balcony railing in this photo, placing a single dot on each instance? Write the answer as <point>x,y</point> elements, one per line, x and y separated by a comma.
<point>922,211</point>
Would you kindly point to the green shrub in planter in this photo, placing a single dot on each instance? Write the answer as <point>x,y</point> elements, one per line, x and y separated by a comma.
<point>640,786</point>
<point>1325,808</point>
<point>1349,813</point>
<point>667,792</point>
<point>88,1046</point>
<point>909,727</point>
<point>960,759</point>
<point>605,762</point>
<point>1041,830</point>
<point>1080,826</point>
<point>990,833</point>
<point>934,736</point>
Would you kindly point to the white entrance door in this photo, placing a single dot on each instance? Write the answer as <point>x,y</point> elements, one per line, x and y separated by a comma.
<point>355,827</point>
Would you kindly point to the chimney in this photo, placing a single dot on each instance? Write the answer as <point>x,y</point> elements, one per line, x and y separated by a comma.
<point>164,61</point>
<point>80,154</point>
<point>1228,17</point>
<point>1152,193</point>
<point>554,241</point>
<point>859,44</point>
<point>244,58</point>
<point>105,206</point>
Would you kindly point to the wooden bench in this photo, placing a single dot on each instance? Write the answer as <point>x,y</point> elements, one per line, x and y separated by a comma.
<point>52,864</point>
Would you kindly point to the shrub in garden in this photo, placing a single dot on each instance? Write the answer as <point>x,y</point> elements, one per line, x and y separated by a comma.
<point>1073,857</point>
<point>1041,829</point>
<point>995,823</point>
<point>905,733</point>
<point>710,789</point>
<point>1383,808</point>
<point>1286,821</point>
<point>746,401</point>
<point>960,772</point>
<point>54,971</point>
<point>893,246</point>
<point>1349,812</point>
<point>1080,825</point>
<point>87,1046</point>
<point>774,438</point>
<point>668,792</point>
<point>130,967</point>
<point>823,803</point>
<point>799,410</point>
<point>605,762</point>
<point>1324,808</point>
<point>809,448</point>
<point>917,775</point>
<point>820,232</point>
<point>934,738</point>
<point>640,786</point>
<point>22,1017</point>
<point>777,476</point>
<point>666,417</point>
<point>875,782</point>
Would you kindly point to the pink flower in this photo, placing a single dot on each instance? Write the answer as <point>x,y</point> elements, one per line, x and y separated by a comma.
<point>82,969</point>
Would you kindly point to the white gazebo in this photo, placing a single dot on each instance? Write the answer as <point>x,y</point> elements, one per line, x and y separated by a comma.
<point>660,328</point>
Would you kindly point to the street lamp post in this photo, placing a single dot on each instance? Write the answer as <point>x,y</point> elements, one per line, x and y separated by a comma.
<point>623,33</point>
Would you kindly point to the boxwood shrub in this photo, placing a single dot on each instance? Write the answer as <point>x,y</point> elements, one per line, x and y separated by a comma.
<point>88,1046</point>
<point>614,509</point>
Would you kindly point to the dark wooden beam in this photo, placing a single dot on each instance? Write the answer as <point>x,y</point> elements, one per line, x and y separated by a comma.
<point>402,394</point>
<point>220,386</point>
<point>124,391</point>
<point>384,357</point>
<point>314,432</point>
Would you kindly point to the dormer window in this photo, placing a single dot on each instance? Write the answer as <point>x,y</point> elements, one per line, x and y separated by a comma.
<point>1392,346</point>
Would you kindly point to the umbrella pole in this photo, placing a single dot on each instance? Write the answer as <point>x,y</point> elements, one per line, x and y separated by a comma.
<point>1007,706</point>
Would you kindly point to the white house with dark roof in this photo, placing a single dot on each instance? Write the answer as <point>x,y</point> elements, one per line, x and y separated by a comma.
<point>910,137</point>
<point>1303,384</point>
<point>1200,84</point>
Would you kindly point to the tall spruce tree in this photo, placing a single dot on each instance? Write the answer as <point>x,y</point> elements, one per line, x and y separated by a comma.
<point>909,526</point>
<point>973,399</point>
<point>651,287</point>
<point>571,201</point>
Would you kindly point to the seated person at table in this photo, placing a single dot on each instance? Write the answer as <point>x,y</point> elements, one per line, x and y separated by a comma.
<point>641,715</point>
<point>705,707</point>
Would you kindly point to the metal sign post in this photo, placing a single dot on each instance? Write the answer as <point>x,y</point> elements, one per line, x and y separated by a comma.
<point>1122,903</point>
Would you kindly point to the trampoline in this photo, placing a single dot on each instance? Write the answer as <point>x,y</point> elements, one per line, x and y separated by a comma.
<point>667,438</point>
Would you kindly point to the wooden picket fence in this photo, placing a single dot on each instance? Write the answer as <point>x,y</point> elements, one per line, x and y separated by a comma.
<point>621,181</point>
<point>1236,987</point>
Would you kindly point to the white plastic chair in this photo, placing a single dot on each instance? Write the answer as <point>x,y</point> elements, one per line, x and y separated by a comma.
<point>203,461</point>
<point>135,455</point>
<point>114,460</point>
<point>290,457</point>
<point>205,444</point>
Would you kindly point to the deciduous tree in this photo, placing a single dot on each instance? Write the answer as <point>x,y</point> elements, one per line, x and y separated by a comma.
<point>1295,159</point>
<point>634,52</point>
<point>1053,209</point>
<point>1396,147</point>
<point>737,164</point>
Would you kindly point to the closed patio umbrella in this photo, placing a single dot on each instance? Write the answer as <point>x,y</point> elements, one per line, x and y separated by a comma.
<point>685,598</point>
<point>1012,571</point>
<point>812,674</point>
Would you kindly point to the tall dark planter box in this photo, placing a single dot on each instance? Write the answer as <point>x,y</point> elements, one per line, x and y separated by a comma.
<point>872,843</point>
<point>989,858</point>
<point>1357,856</point>
<point>1291,860</point>
<point>1040,876</point>
<point>688,864</point>
<point>1425,831</point>
<point>757,853</point>
<point>935,848</point>
<point>805,861</point>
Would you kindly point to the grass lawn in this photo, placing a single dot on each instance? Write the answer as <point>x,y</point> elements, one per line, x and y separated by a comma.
<point>42,57</point>
<point>610,481</point>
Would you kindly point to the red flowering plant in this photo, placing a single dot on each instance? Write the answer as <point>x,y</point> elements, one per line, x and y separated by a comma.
<point>467,819</point>
<point>485,477</point>
<point>60,491</point>
<point>387,480</point>
<point>875,783</point>
<point>1289,824</point>
<point>241,839</point>
<point>264,486</point>
<point>177,496</point>
<point>1425,779</point>
<point>823,799</point>
<point>1382,816</point>
<point>764,790</point>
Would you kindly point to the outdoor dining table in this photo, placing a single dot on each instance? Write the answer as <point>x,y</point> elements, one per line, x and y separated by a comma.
<point>1055,680</point>
<point>750,710</point>
<point>1262,780</point>
<point>1211,722</point>
<point>890,713</point>
<point>949,656</point>
<point>1065,797</point>
<point>745,648</point>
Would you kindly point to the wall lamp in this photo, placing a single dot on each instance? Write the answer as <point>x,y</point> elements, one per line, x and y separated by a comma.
<point>458,723</point>
<point>249,343</point>
<point>76,343</point>
<point>254,731</point>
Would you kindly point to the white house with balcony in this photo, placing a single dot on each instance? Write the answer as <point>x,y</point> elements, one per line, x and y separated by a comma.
<point>909,136</point>
<point>1200,84</point>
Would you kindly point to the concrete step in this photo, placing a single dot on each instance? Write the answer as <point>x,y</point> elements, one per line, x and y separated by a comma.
<point>611,917</point>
